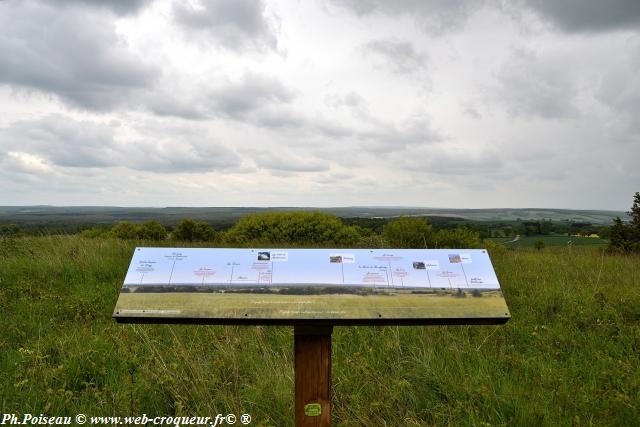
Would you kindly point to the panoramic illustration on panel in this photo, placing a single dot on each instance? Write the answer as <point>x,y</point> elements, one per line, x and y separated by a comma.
<point>255,285</point>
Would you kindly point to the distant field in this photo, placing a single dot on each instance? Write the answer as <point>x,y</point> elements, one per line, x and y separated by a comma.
<point>569,356</point>
<point>109,215</point>
<point>550,241</point>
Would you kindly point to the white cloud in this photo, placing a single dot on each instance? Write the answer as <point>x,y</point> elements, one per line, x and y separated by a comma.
<point>27,163</point>
<point>337,102</point>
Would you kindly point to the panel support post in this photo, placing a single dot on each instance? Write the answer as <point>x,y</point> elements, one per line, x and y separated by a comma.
<point>312,368</point>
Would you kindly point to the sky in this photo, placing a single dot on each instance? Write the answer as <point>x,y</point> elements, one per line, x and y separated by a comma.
<point>432,103</point>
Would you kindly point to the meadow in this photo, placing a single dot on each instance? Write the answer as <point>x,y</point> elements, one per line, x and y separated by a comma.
<point>570,355</point>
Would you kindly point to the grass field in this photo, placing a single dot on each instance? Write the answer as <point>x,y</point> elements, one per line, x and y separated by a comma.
<point>550,241</point>
<point>569,356</point>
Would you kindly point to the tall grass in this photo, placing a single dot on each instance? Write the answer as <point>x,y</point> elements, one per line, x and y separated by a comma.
<point>569,356</point>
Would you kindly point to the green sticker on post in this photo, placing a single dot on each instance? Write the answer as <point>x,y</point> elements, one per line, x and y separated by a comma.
<point>312,410</point>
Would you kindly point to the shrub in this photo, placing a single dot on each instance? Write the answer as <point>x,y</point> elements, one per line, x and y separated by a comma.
<point>193,231</point>
<point>152,230</point>
<point>459,237</point>
<point>494,248</point>
<point>305,228</point>
<point>9,230</point>
<point>125,230</point>
<point>413,232</point>
<point>408,232</point>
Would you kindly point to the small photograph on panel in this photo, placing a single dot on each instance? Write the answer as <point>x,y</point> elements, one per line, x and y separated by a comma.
<point>454,258</point>
<point>264,256</point>
<point>335,259</point>
<point>418,265</point>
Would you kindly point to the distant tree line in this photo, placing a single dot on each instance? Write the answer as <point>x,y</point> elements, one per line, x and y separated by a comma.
<point>625,236</point>
<point>315,228</point>
<point>297,228</point>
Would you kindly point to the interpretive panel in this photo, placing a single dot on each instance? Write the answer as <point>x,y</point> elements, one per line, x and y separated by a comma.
<point>289,286</point>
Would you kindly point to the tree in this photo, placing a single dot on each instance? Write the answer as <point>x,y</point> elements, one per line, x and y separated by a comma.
<point>626,237</point>
<point>305,228</point>
<point>152,230</point>
<point>459,237</point>
<point>408,232</point>
<point>193,231</point>
<point>634,213</point>
<point>618,236</point>
<point>125,230</point>
<point>539,244</point>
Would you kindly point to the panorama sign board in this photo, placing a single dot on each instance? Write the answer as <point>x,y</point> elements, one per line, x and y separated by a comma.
<point>311,286</point>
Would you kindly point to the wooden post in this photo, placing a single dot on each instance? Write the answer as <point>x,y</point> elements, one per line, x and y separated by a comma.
<point>312,368</point>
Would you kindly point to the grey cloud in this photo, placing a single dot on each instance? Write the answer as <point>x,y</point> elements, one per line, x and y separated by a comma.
<point>342,176</point>
<point>567,15</point>
<point>589,15</point>
<point>359,7</point>
<point>376,135</point>
<point>182,155</point>
<point>120,7</point>
<point>381,137</point>
<point>620,91</point>
<point>386,138</point>
<point>287,162</point>
<point>331,129</point>
<point>435,16</point>
<point>237,100</point>
<point>351,99</point>
<point>399,56</point>
<point>530,86</point>
<point>164,104</point>
<point>290,121</point>
<point>336,180</point>
<point>254,99</point>
<point>234,24</point>
<point>60,141</point>
<point>74,54</point>
<point>471,110</point>
<point>279,118</point>
<point>445,160</point>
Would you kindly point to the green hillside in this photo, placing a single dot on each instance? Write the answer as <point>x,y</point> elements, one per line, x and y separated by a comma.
<point>569,356</point>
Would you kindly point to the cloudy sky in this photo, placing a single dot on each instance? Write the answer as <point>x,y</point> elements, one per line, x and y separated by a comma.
<point>440,103</point>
